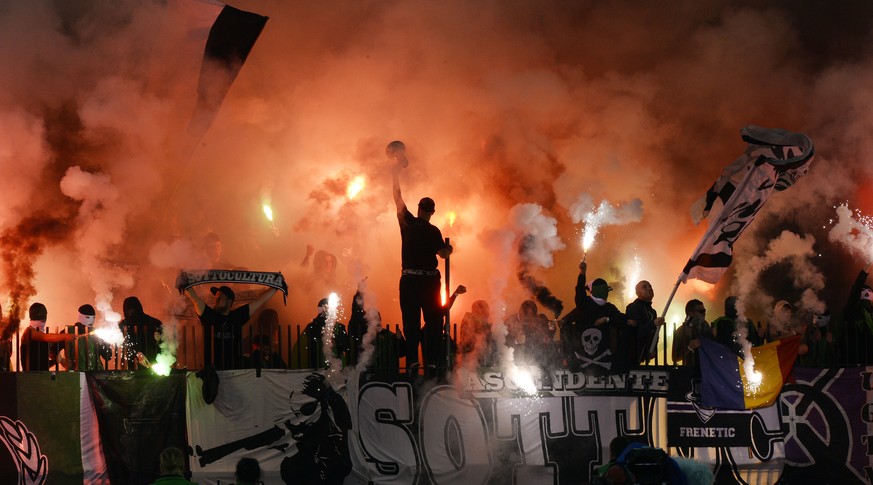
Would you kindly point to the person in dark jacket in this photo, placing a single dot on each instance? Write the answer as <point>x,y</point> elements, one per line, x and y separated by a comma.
<point>142,334</point>
<point>590,332</point>
<point>857,344</point>
<point>642,323</point>
<point>725,328</point>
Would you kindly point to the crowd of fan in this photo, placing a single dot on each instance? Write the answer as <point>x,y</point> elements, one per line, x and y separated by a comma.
<point>593,337</point>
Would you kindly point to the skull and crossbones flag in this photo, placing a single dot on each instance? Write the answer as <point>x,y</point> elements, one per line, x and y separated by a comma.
<point>773,160</point>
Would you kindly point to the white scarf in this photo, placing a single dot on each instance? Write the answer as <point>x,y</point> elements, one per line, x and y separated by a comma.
<point>599,301</point>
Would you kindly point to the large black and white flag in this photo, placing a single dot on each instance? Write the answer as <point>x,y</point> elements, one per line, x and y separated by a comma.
<point>773,160</point>
<point>230,40</point>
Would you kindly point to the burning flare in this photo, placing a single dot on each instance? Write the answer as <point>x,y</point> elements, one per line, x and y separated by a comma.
<point>356,186</point>
<point>268,213</point>
<point>523,379</point>
<point>754,381</point>
<point>450,218</point>
<point>592,226</point>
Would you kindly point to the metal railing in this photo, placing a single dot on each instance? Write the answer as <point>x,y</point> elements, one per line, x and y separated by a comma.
<point>285,343</point>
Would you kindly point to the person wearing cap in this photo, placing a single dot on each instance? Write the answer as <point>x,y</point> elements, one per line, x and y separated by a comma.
<point>421,243</point>
<point>38,350</point>
<point>856,342</point>
<point>222,324</point>
<point>686,338</point>
<point>85,354</point>
<point>142,334</point>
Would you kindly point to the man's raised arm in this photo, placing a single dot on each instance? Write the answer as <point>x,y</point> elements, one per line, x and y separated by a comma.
<point>395,179</point>
<point>198,303</point>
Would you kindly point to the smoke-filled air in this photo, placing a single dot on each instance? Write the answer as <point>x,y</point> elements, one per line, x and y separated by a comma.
<point>536,127</point>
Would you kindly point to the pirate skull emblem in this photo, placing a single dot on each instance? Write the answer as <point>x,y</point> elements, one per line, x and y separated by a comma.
<point>591,340</point>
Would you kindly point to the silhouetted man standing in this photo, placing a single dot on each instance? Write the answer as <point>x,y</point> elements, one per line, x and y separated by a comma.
<point>420,280</point>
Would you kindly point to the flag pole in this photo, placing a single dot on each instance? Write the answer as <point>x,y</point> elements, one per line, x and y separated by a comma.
<point>664,315</point>
<point>448,322</point>
<point>682,277</point>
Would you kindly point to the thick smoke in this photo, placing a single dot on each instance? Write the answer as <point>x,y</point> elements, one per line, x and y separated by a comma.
<point>538,240</point>
<point>550,104</point>
<point>854,233</point>
<point>805,281</point>
<point>21,246</point>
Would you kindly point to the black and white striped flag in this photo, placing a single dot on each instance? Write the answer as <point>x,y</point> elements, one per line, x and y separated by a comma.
<point>774,159</point>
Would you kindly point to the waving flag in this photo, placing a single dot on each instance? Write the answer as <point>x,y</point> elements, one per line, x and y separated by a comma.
<point>230,40</point>
<point>724,382</point>
<point>774,159</point>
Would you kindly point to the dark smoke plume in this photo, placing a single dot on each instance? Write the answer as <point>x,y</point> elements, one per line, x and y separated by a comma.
<point>20,247</point>
<point>539,291</point>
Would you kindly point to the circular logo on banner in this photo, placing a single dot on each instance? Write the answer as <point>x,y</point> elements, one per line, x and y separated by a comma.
<point>24,450</point>
<point>819,439</point>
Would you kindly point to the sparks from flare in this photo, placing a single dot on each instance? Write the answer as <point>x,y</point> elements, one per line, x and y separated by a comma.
<point>593,220</point>
<point>753,381</point>
<point>854,229</point>
<point>592,226</point>
<point>633,276</point>
<point>522,379</point>
<point>334,365</point>
<point>108,334</point>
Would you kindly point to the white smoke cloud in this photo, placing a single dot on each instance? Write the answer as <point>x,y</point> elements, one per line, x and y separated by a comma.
<point>539,234</point>
<point>805,276</point>
<point>854,233</point>
<point>100,226</point>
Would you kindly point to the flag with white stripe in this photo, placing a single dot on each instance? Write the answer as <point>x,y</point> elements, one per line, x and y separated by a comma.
<point>773,160</point>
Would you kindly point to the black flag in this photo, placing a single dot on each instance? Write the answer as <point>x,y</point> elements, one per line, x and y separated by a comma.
<point>231,38</point>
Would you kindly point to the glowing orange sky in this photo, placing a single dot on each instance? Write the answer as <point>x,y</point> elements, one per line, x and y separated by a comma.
<point>498,103</point>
